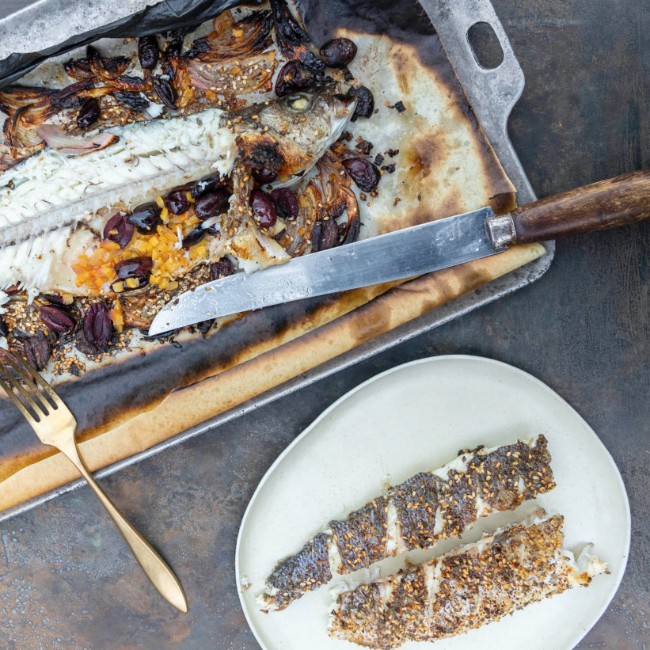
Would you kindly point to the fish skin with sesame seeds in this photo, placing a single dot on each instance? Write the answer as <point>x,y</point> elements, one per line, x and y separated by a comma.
<point>416,514</point>
<point>465,589</point>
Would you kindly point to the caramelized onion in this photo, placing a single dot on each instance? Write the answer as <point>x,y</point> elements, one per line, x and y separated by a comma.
<point>72,145</point>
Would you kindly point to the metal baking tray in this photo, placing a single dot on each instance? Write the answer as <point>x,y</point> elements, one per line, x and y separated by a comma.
<point>492,95</point>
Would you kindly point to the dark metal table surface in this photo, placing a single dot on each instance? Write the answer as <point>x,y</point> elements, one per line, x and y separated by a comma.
<point>68,581</point>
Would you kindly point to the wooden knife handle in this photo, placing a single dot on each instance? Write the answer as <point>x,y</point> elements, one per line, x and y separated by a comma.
<point>606,204</point>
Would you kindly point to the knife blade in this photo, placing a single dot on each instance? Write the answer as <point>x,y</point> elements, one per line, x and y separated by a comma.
<point>402,254</point>
<point>414,251</point>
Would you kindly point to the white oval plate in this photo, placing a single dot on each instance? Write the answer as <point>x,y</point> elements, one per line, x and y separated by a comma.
<point>417,417</point>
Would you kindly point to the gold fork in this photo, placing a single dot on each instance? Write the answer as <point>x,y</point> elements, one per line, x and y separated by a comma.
<point>55,425</point>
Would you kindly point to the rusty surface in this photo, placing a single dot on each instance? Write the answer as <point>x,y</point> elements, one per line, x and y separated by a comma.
<point>67,580</point>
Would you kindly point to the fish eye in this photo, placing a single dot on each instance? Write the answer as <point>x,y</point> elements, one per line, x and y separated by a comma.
<point>298,103</point>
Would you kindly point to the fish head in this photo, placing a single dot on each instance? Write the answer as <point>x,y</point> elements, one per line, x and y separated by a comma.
<point>289,135</point>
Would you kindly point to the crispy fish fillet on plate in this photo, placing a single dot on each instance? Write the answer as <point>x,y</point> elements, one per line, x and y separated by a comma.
<point>470,587</point>
<point>416,514</point>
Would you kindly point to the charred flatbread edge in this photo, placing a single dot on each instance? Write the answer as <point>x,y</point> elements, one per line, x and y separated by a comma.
<point>327,334</point>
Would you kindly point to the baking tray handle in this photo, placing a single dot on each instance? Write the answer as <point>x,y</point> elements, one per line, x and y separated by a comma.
<point>492,92</point>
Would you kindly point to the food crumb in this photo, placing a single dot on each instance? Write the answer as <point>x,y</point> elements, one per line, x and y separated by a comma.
<point>398,106</point>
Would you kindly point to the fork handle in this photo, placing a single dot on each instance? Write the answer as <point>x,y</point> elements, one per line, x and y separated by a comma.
<point>153,565</point>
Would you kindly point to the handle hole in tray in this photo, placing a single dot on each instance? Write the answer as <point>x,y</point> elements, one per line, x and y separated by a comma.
<point>485,45</point>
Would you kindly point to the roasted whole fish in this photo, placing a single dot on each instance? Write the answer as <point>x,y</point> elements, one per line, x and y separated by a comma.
<point>416,514</point>
<point>54,208</point>
<point>470,587</point>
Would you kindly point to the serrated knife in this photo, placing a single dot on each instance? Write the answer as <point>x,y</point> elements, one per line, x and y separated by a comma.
<point>414,251</point>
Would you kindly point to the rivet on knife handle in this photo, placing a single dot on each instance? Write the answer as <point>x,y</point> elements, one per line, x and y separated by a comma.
<point>606,204</point>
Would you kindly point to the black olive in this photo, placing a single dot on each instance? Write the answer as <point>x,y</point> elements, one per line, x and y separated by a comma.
<point>37,351</point>
<point>136,267</point>
<point>312,63</point>
<point>338,53</point>
<point>119,230</point>
<point>165,91</point>
<point>294,77</point>
<point>177,201</point>
<point>193,237</point>
<point>97,327</point>
<point>57,319</point>
<point>148,52</point>
<point>174,47</point>
<point>210,204</point>
<point>364,147</point>
<point>365,102</point>
<point>199,46</point>
<point>285,202</point>
<point>363,173</point>
<point>146,218</point>
<point>88,113</point>
<point>264,175</point>
<point>207,184</point>
<point>263,208</point>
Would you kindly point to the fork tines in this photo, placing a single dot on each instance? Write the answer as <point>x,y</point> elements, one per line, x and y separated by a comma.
<point>26,388</point>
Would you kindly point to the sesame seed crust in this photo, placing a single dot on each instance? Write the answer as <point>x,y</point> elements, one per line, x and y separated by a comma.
<point>361,537</point>
<point>474,585</point>
<point>416,503</point>
<point>302,572</point>
<point>500,479</point>
<point>429,507</point>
